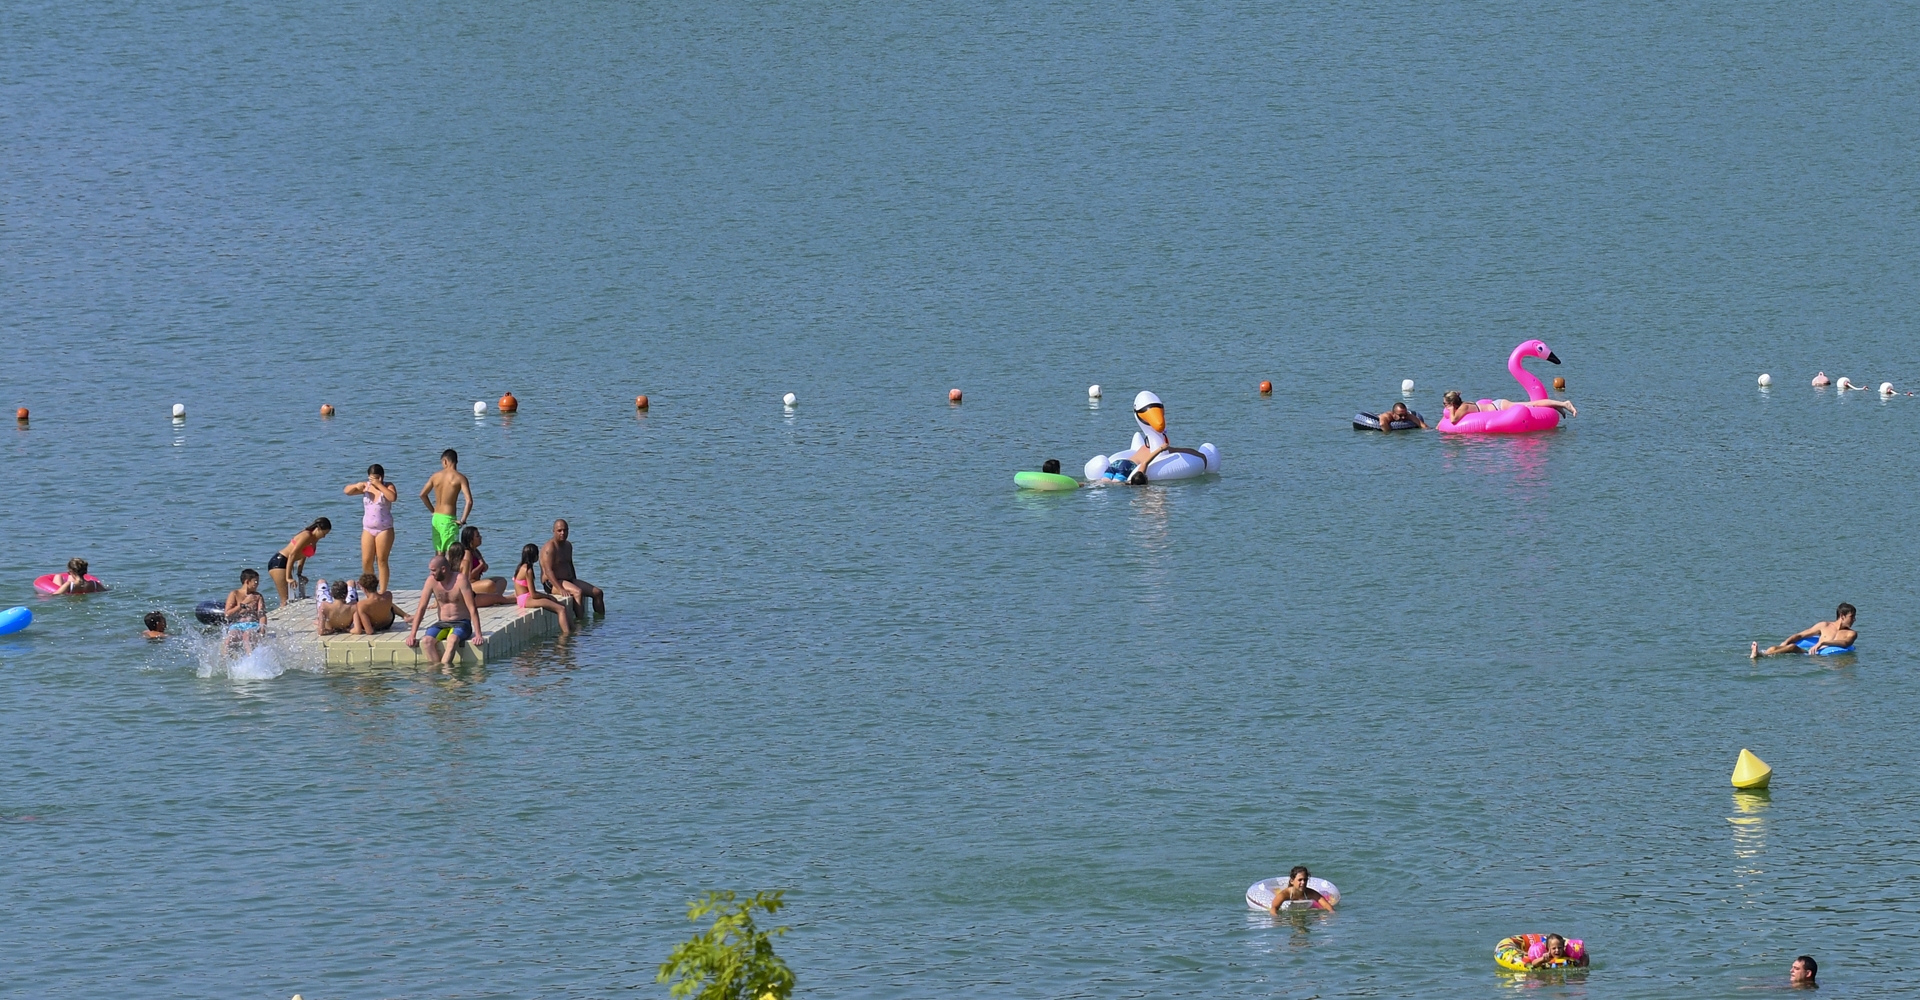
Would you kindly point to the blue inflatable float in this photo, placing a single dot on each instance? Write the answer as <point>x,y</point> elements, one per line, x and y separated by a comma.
<point>14,619</point>
<point>1810,641</point>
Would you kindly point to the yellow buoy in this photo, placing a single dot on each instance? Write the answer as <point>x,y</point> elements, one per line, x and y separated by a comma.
<point>1751,771</point>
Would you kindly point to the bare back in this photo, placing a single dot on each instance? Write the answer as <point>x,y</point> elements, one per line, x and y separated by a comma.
<point>446,487</point>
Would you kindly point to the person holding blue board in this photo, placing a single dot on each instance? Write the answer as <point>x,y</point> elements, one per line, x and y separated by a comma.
<point>1823,639</point>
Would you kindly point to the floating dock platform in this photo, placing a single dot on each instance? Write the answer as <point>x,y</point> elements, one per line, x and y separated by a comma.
<point>509,630</point>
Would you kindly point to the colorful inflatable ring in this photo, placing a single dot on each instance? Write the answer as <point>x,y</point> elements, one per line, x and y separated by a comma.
<point>1810,641</point>
<point>1260,895</point>
<point>45,584</point>
<point>1518,418</point>
<point>1511,954</point>
<point>14,619</point>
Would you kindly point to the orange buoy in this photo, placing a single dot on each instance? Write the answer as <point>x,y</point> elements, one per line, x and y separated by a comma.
<point>639,402</point>
<point>1266,388</point>
<point>1560,383</point>
<point>326,409</point>
<point>20,414</point>
<point>953,395</point>
<point>508,404</point>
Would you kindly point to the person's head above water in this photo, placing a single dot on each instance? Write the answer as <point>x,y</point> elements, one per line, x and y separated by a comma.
<point>1051,465</point>
<point>1803,972</point>
<point>155,621</point>
<point>77,566</point>
<point>1452,398</point>
<point>1399,411</point>
<point>1844,614</point>
<point>1556,946</point>
<point>450,458</point>
<point>1299,875</point>
<point>1148,409</point>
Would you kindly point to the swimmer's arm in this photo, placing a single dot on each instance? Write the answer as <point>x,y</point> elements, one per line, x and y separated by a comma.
<point>1422,422</point>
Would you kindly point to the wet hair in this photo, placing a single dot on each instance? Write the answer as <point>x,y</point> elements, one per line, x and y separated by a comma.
<point>1299,870</point>
<point>155,621</point>
<point>319,524</point>
<point>77,566</point>
<point>370,582</point>
<point>470,537</point>
<point>1813,967</point>
<point>376,470</point>
<point>1840,612</point>
<point>1398,408</point>
<point>450,457</point>
<point>1452,398</point>
<point>1051,465</point>
<point>529,555</point>
<point>249,574</point>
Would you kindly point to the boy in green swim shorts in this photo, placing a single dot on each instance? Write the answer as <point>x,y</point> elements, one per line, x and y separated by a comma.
<point>441,494</point>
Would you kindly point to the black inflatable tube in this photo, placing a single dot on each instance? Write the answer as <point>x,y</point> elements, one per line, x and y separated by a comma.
<point>211,612</point>
<point>1371,422</point>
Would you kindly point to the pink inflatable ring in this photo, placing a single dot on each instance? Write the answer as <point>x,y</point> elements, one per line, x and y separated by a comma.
<point>1517,418</point>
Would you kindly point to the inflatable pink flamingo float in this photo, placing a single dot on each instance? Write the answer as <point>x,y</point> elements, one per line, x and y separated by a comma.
<point>1517,418</point>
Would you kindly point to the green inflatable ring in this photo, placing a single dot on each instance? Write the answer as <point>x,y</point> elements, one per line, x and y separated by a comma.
<point>1045,481</point>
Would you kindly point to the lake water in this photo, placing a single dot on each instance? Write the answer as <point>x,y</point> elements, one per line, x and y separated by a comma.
<point>994,744</point>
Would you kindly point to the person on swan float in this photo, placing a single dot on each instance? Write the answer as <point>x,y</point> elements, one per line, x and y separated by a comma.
<point>1151,416</point>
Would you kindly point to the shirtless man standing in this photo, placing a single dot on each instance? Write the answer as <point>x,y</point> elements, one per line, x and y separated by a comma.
<point>1838,632</point>
<point>556,565</point>
<point>442,491</point>
<point>452,601</point>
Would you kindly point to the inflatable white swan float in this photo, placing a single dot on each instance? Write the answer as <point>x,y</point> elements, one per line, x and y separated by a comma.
<point>1150,445</point>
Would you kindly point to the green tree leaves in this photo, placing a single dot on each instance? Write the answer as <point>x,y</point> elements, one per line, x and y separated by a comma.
<point>733,959</point>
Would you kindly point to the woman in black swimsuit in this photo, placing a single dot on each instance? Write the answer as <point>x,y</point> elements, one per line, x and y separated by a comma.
<point>291,562</point>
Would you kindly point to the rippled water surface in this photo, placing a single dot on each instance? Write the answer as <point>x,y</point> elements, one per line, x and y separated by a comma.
<point>994,744</point>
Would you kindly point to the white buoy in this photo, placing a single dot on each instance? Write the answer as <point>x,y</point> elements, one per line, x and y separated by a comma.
<point>1093,391</point>
<point>1886,388</point>
<point>179,411</point>
<point>789,399</point>
<point>479,407</point>
<point>1766,379</point>
<point>1406,386</point>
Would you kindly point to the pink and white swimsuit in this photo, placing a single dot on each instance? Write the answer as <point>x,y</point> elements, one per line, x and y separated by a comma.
<point>377,513</point>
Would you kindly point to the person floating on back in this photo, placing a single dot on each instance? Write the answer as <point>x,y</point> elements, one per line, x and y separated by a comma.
<point>441,494</point>
<point>74,580</point>
<point>1837,634</point>
<point>156,624</point>
<point>246,612</point>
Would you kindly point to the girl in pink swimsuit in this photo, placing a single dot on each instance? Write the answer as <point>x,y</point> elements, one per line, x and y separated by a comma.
<point>527,597</point>
<point>376,520</point>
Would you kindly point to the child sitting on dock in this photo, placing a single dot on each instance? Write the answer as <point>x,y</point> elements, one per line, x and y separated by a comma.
<point>373,612</point>
<point>331,615</point>
<point>526,594</point>
<point>246,612</point>
<point>1837,633</point>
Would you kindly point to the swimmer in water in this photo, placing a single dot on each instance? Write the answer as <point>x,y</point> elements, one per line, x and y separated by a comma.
<point>1051,466</point>
<point>290,563</point>
<point>1399,412</point>
<point>1552,949</point>
<point>246,612</point>
<point>1801,976</point>
<point>156,624</point>
<point>74,580</point>
<point>1295,890</point>
<point>1838,632</point>
<point>1458,407</point>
